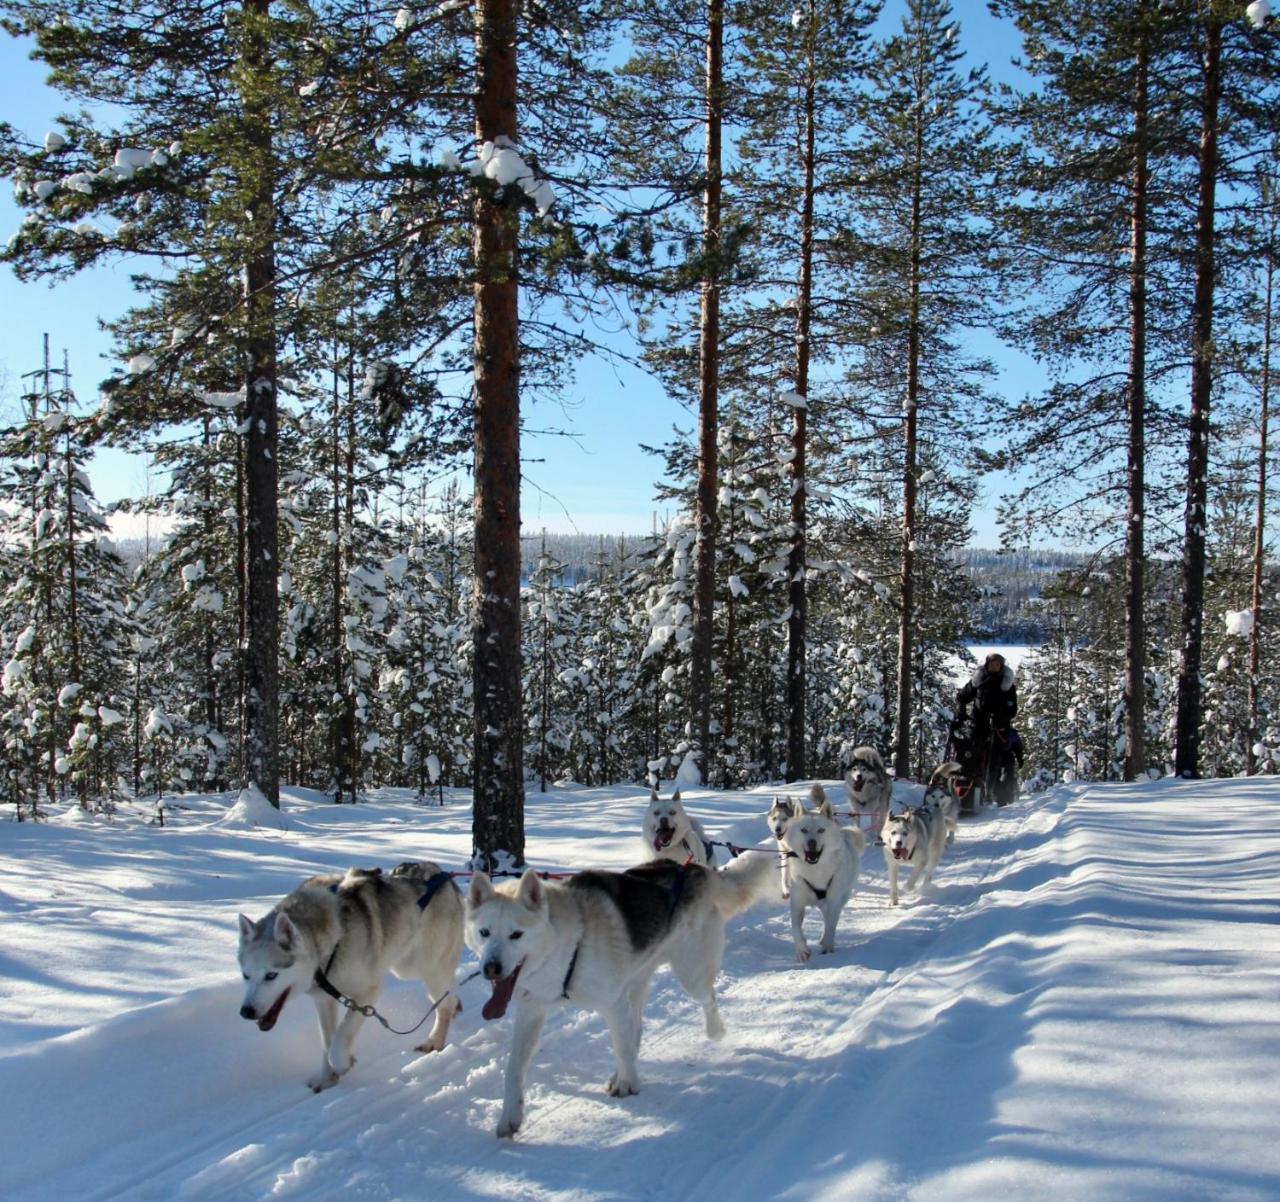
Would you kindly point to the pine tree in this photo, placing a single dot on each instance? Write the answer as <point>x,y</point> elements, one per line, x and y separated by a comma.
<point>64,614</point>
<point>921,250</point>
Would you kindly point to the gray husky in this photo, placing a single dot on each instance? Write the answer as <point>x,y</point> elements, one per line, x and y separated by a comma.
<point>867,783</point>
<point>941,795</point>
<point>823,860</point>
<point>594,942</point>
<point>914,837</point>
<point>355,928</point>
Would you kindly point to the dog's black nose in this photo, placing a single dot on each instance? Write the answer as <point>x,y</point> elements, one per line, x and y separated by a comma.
<point>248,1012</point>
<point>492,970</point>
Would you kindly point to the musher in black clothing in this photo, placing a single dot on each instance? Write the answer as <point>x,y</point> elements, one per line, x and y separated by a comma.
<point>985,709</point>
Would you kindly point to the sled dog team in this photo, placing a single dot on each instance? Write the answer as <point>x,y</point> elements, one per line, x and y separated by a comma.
<point>593,941</point>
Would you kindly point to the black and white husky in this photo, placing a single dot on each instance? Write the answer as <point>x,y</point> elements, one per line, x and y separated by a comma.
<point>595,942</point>
<point>356,928</point>
<point>915,837</point>
<point>823,858</point>
<point>672,833</point>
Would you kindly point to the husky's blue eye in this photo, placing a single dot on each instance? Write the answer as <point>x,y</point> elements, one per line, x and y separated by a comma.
<point>484,932</point>
<point>271,976</point>
<point>516,934</point>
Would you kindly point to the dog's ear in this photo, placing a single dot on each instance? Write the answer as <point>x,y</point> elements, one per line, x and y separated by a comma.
<point>824,808</point>
<point>246,928</point>
<point>286,934</point>
<point>818,795</point>
<point>653,795</point>
<point>676,797</point>
<point>481,889</point>
<point>531,892</point>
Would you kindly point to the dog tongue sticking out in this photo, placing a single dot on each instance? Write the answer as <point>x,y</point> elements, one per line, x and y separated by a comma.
<point>503,988</point>
<point>268,1020</point>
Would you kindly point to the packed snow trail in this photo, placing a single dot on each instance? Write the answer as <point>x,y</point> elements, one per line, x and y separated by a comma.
<point>1082,1006</point>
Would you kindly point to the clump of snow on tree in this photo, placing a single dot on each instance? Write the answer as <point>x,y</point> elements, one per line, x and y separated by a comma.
<point>1240,622</point>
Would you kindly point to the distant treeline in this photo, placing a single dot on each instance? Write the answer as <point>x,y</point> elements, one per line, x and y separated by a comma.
<point>1010,583</point>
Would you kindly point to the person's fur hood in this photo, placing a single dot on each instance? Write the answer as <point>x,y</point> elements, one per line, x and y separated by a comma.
<point>980,677</point>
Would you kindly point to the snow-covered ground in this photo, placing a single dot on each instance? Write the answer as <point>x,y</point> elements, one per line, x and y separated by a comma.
<point>1084,1006</point>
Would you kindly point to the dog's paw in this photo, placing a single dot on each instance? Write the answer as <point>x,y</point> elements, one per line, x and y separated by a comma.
<point>434,1044</point>
<point>715,1028</point>
<point>620,1088</point>
<point>826,950</point>
<point>322,1080</point>
<point>507,1128</point>
<point>803,954</point>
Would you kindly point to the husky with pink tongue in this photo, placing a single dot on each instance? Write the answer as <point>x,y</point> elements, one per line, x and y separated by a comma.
<point>594,942</point>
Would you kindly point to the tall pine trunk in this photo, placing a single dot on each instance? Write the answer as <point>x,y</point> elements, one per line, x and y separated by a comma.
<point>498,763</point>
<point>797,622</point>
<point>261,701</point>
<point>907,574</point>
<point>1187,733</point>
<point>700,684</point>
<point>1260,514</point>
<point>1135,692</point>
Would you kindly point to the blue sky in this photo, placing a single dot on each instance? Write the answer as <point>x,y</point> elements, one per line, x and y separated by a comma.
<point>596,482</point>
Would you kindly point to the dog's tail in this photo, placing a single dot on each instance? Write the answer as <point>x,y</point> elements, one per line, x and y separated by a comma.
<point>751,878</point>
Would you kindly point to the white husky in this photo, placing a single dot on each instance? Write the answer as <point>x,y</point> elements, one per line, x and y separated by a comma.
<point>779,814</point>
<point>867,783</point>
<point>671,833</point>
<point>349,931</point>
<point>595,942</point>
<point>914,837</point>
<point>823,859</point>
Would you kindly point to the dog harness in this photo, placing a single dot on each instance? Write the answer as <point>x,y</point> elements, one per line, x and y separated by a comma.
<point>821,894</point>
<point>431,887</point>
<point>568,976</point>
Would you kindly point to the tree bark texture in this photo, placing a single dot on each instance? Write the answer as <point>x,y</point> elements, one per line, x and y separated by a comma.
<point>1135,661</point>
<point>498,761</point>
<point>1187,732</point>
<point>700,683</point>
<point>261,701</point>
<point>907,565</point>
<point>797,622</point>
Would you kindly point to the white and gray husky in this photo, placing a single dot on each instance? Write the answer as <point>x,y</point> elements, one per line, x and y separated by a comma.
<point>595,942</point>
<point>942,796</point>
<point>779,816</point>
<point>355,928</point>
<point>914,837</point>
<point>867,783</point>
<point>672,833</point>
<point>823,860</point>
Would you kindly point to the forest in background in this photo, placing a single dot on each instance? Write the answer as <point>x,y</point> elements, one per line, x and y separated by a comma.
<point>363,238</point>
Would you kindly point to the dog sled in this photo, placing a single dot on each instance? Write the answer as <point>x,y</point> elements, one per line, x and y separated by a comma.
<point>989,760</point>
